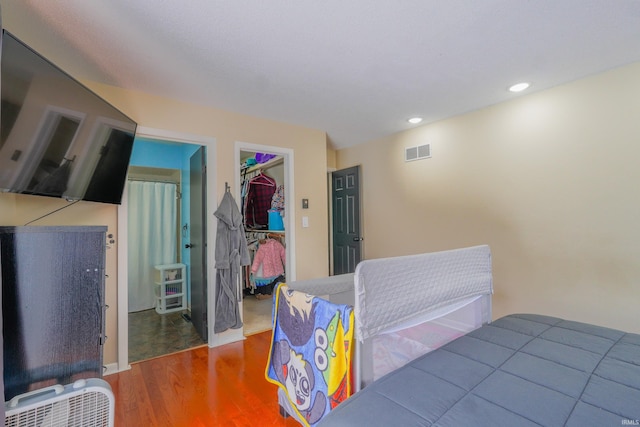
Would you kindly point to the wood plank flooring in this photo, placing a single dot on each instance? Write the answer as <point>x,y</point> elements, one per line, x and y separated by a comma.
<point>222,386</point>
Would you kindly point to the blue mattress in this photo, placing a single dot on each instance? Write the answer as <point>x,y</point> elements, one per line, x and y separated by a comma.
<point>520,370</point>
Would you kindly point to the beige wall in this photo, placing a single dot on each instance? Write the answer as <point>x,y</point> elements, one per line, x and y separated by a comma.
<point>310,157</point>
<point>310,165</point>
<point>549,181</point>
<point>331,157</point>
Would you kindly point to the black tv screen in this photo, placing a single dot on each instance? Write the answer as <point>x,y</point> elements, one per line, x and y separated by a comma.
<point>57,137</point>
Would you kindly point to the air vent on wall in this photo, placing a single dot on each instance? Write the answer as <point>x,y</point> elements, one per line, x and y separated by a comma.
<point>417,153</point>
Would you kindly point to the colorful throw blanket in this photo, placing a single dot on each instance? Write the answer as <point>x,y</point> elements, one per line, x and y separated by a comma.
<point>310,356</point>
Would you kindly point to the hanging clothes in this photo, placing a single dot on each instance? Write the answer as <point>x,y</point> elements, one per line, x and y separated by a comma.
<point>277,201</point>
<point>258,201</point>
<point>230,253</point>
<point>271,257</point>
<point>268,267</point>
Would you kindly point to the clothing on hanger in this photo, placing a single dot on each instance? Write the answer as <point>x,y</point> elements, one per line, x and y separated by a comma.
<point>258,201</point>
<point>277,201</point>
<point>271,257</point>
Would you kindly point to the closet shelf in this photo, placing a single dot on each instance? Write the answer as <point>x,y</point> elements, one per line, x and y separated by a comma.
<point>266,165</point>
<point>251,230</point>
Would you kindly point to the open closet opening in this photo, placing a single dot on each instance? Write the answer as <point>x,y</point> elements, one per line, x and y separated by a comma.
<point>264,207</point>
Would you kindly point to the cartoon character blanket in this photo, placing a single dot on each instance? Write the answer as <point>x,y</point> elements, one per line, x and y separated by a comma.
<point>310,356</point>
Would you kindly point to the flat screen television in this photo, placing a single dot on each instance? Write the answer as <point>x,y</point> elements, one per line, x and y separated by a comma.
<point>57,137</point>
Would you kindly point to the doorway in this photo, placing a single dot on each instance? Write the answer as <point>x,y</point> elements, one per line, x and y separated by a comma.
<point>273,167</point>
<point>159,286</point>
<point>179,319</point>
<point>162,276</point>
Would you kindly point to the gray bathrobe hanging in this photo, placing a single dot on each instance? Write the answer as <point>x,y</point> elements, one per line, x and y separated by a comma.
<point>231,253</point>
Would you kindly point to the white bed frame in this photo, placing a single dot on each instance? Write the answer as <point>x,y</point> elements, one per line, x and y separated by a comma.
<point>409,305</point>
<point>401,298</point>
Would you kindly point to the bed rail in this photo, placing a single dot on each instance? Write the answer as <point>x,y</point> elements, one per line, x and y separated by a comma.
<point>402,292</point>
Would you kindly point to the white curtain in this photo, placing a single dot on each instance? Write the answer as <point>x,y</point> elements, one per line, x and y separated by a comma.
<point>152,237</point>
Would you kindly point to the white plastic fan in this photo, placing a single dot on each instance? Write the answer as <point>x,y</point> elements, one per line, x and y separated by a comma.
<point>84,403</point>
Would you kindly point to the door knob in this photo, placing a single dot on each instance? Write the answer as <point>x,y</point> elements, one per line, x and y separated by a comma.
<point>188,246</point>
<point>358,239</point>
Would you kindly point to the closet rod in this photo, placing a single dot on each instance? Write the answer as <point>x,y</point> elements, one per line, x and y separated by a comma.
<point>271,234</point>
<point>253,230</point>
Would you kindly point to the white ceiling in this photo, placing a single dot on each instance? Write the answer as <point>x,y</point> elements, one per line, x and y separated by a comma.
<point>356,69</point>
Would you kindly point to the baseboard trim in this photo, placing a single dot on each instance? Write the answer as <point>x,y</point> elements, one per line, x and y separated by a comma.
<point>112,368</point>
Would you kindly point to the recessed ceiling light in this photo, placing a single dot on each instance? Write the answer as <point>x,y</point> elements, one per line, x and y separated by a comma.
<point>415,120</point>
<point>519,87</point>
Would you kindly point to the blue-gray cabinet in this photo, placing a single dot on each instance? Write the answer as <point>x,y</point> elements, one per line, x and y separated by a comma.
<point>53,309</point>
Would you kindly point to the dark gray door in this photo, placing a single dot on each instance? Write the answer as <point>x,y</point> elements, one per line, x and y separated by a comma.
<point>347,240</point>
<point>198,239</point>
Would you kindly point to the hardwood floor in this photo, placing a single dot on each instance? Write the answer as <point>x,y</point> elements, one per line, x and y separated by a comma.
<point>222,386</point>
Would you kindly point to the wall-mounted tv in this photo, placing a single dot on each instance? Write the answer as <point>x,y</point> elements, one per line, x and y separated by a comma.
<point>57,137</point>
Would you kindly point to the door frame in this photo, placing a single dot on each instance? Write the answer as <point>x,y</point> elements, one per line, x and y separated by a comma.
<point>330,215</point>
<point>289,194</point>
<point>123,281</point>
<point>290,217</point>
